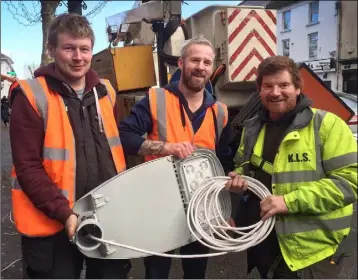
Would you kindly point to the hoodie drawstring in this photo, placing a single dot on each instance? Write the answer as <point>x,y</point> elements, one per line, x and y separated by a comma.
<point>98,108</point>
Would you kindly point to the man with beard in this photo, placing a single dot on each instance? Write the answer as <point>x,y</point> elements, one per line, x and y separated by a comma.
<point>307,158</point>
<point>179,118</point>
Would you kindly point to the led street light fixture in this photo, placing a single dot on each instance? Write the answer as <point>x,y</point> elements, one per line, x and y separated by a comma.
<point>146,206</point>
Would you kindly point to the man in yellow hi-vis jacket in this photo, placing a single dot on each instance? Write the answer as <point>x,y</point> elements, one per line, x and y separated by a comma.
<point>308,159</point>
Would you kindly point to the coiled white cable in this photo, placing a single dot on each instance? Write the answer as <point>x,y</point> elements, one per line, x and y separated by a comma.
<point>207,195</point>
<point>216,237</point>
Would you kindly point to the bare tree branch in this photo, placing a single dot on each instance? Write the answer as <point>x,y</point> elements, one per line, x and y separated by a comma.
<point>99,6</point>
<point>43,11</point>
<point>24,14</point>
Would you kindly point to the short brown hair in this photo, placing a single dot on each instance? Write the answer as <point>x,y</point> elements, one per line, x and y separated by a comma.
<point>274,64</point>
<point>74,24</point>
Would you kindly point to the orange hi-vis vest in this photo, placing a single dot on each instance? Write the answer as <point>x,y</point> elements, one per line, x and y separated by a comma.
<point>59,157</point>
<point>12,86</point>
<point>167,125</point>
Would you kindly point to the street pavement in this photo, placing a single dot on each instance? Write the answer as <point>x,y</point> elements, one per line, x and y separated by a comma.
<point>232,266</point>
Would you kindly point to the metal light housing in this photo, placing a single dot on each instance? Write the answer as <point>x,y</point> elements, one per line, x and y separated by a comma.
<point>145,206</point>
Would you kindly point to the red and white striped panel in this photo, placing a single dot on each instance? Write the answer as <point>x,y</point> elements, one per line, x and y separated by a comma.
<point>252,38</point>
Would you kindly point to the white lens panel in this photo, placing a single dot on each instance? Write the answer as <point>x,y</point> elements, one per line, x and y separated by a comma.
<point>196,171</point>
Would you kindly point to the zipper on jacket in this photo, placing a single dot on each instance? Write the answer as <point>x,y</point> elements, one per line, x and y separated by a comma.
<point>83,138</point>
<point>82,112</point>
<point>83,118</point>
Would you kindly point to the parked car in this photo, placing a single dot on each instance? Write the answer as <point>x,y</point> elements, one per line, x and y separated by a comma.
<point>352,101</point>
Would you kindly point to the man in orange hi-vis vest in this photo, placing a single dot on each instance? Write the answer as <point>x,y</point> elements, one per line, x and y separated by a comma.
<point>65,142</point>
<point>177,119</point>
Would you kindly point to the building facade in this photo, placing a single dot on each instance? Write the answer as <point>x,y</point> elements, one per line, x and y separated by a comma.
<point>322,34</point>
<point>308,32</point>
<point>347,47</point>
<point>6,69</point>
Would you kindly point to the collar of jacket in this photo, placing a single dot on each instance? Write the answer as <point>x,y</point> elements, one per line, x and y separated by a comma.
<point>254,125</point>
<point>301,120</point>
<point>208,100</point>
<point>55,83</point>
<point>91,77</point>
<point>64,89</point>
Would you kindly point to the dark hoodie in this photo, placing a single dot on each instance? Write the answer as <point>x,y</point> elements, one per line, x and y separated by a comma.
<point>94,163</point>
<point>264,254</point>
<point>275,132</point>
<point>139,122</point>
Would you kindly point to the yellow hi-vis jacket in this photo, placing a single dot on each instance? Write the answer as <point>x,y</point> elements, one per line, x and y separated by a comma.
<point>315,170</point>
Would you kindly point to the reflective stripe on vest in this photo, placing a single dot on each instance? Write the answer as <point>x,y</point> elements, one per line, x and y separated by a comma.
<point>16,186</point>
<point>221,116</point>
<point>110,91</point>
<point>59,156</point>
<point>38,97</point>
<point>310,223</point>
<point>345,188</point>
<point>114,141</point>
<point>161,114</point>
<point>261,163</point>
<point>56,154</point>
<point>339,162</point>
<point>111,128</point>
<point>256,157</point>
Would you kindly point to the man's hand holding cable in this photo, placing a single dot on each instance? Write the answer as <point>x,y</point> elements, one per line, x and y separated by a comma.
<point>236,183</point>
<point>180,150</point>
<point>272,205</point>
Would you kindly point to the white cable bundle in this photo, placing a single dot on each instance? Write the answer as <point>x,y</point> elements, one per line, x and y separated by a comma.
<point>207,195</point>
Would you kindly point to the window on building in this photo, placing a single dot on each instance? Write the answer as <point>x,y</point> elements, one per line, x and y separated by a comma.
<point>328,83</point>
<point>313,10</point>
<point>286,19</point>
<point>286,47</point>
<point>312,44</point>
